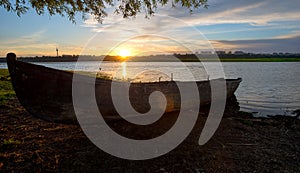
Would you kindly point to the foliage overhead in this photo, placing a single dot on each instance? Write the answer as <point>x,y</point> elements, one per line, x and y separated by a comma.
<point>97,8</point>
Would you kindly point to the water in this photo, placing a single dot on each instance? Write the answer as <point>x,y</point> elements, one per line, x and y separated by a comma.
<point>267,88</point>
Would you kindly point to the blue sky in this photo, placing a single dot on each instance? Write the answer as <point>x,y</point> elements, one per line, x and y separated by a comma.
<point>252,26</point>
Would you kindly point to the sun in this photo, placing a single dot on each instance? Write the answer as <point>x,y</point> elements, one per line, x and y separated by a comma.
<point>124,53</point>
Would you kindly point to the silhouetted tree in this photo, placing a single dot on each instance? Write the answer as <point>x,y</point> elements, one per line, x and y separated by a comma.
<point>127,8</point>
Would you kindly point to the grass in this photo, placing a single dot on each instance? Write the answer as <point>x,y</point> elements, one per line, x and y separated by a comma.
<point>6,90</point>
<point>11,141</point>
<point>260,59</point>
<point>246,122</point>
<point>253,59</point>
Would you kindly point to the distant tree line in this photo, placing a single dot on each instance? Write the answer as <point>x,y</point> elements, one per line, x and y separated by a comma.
<point>182,57</point>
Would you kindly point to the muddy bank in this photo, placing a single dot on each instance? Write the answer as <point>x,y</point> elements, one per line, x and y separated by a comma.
<point>241,144</point>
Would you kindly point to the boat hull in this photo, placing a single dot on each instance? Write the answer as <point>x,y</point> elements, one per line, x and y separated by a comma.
<point>47,93</point>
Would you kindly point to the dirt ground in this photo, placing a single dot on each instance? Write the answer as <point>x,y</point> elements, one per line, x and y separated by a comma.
<point>241,144</point>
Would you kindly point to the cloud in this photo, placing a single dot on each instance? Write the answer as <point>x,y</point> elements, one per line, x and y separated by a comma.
<point>90,22</point>
<point>251,29</point>
<point>268,13</point>
<point>25,39</point>
<point>255,12</point>
<point>35,44</point>
<point>236,11</point>
<point>293,34</point>
<point>260,45</point>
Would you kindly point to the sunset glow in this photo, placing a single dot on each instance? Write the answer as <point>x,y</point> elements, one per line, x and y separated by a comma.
<point>124,53</point>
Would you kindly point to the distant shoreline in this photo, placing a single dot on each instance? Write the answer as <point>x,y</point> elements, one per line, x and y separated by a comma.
<point>170,58</point>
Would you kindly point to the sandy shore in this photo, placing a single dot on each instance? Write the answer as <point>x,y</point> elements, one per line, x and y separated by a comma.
<point>241,144</point>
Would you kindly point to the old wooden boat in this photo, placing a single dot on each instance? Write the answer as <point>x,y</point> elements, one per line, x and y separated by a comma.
<point>47,93</point>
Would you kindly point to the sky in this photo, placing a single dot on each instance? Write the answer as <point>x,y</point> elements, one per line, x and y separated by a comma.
<point>258,26</point>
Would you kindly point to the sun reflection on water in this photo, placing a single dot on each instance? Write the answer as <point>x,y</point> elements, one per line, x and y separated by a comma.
<point>124,70</point>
